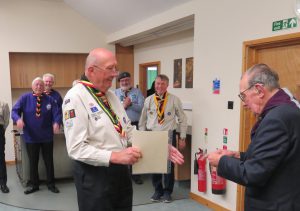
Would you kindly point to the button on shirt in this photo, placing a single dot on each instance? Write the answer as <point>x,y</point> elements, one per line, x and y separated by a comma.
<point>137,103</point>
<point>173,111</point>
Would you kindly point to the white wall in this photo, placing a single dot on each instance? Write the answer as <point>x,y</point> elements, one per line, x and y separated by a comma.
<point>220,29</point>
<point>40,26</point>
<point>165,50</point>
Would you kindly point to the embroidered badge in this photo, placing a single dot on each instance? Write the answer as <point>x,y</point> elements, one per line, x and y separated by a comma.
<point>124,120</point>
<point>69,114</point>
<point>169,113</point>
<point>69,123</point>
<point>133,97</point>
<point>48,106</point>
<point>72,113</point>
<point>66,115</point>
<point>96,116</point>
<point>94,109</point>
<point>67,101</point>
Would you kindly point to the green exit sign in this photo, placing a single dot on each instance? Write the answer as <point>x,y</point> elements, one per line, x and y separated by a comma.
<point>285,24</point>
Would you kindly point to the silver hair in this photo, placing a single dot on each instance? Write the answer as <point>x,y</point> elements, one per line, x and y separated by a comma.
<point>263,74</point>
<point>48,75</point>
<point>37,79</point>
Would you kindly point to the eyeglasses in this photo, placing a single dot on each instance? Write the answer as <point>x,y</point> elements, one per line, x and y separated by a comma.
<point>242,95</point>
<point>110,69</point>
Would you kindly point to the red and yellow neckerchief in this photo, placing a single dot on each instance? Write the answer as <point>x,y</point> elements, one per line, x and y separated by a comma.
<point>161,102</point>
<point>48,92</point>
<point>102,101</point>
<point>38,104</point>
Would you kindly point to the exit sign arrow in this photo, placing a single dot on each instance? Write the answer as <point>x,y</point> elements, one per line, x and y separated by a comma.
<point>285,24</point>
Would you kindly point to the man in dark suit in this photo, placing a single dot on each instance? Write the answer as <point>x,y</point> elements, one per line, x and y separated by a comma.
<point>269,169</point>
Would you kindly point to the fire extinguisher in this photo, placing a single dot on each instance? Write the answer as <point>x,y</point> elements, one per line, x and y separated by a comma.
<point>218,184</point>
<point>201,164</point>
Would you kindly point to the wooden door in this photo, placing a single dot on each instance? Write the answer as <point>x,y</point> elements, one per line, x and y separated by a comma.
<point>282,54</point>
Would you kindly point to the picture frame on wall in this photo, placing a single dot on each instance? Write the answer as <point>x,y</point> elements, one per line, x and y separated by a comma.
<point>177,82</point>
<point>189,69</point>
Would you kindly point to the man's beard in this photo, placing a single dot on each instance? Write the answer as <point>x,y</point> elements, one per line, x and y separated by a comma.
<point>125,88</point>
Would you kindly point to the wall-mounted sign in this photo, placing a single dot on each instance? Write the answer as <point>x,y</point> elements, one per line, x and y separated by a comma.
<point>216,86</point>
<point>284,24</point>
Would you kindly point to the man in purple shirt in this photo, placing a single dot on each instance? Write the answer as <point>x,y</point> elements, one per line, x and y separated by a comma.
<point>39,117</point>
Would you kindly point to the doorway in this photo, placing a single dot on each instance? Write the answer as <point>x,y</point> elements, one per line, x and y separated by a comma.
<point>147,74</point>
<point>281,53</point>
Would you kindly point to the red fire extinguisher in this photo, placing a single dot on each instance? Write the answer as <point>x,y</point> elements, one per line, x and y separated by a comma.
<point>218,184</point>
<point>201,161</point>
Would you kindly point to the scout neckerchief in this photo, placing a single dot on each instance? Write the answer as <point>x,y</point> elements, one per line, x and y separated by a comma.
<point>38,104</point>
<point>48,92</point>
<point>105,105</point>
<point>161,102</point>
<point>127,91</point>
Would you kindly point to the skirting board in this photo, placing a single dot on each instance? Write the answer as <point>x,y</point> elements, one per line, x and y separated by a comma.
<point>207,203</point>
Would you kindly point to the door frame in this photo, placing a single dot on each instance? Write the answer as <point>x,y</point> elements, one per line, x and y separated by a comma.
<point>250,49</point>
<point>143,75</point>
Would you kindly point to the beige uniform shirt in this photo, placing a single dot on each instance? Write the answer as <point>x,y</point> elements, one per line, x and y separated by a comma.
<point>90,134</point>
<point>4,114</point>
<point>173,114</point>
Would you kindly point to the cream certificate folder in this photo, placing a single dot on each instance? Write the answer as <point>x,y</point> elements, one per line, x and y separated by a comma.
<point>154,148</point>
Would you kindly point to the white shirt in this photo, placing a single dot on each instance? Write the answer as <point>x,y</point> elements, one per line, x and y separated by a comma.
<point>90,134</point>
<point>173,110</point>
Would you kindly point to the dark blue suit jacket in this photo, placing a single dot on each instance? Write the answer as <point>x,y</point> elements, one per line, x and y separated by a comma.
<point>270,168</point>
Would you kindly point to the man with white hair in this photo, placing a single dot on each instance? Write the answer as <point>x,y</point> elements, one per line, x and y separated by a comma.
<point>38,116</point>
<point>98,132</point>
<point>49,81</point>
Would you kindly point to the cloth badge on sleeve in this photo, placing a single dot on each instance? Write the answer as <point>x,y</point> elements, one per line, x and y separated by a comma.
<point>124,120</point>
<point>69,123</point>
<point>67,101</point>
<point>169,113</point>
<point>96,116</point>
<point>69,114</point>
<point>94,109</point>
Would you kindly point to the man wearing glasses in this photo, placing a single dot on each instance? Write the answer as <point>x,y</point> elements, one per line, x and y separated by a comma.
<point>269,169</point>
<point>97,131</point>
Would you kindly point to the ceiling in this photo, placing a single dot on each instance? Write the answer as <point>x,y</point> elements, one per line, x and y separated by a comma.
<point>114,15</point>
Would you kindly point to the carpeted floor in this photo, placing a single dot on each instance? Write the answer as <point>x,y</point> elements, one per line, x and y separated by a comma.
<point>66,199</point>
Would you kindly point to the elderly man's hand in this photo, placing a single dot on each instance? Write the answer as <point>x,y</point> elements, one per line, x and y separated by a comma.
<point>55,128</point>
<point>214,157</point>
<point>127,102</point>
<point>20,124</point>
<point>127,156</point>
